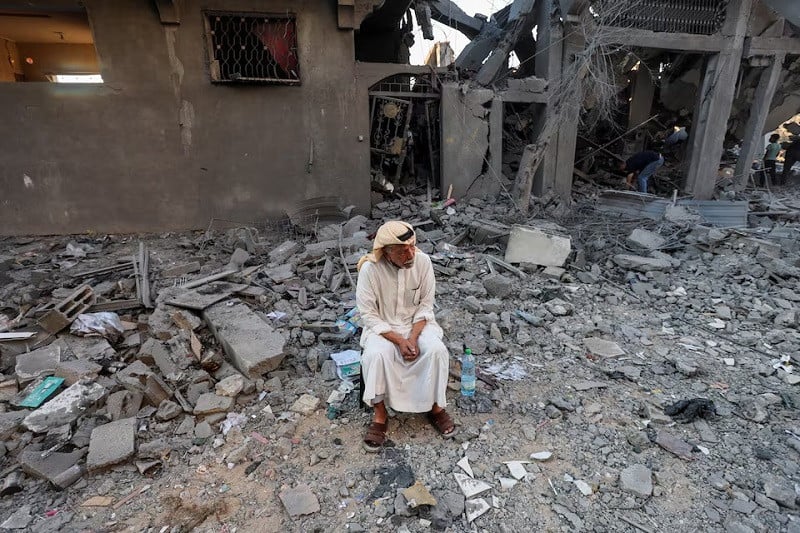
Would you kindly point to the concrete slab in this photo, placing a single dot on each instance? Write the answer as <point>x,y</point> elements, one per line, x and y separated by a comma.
<point>76,370</point>
<point>64,408</point>
<point>299,501</point>
<point>9,422</point>
<point>642,264</point>
<point>531,245</point>
<point>111,444</point>
<point>647,240</point>
<point>50,468</point>
<point>602,347</point>
<point>38,363</point>
<point>252,345</point>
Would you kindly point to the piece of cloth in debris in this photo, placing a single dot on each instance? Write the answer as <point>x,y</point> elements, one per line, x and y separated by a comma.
<point>690,410</point>
<point>392,232</point>
<point>393,299</point>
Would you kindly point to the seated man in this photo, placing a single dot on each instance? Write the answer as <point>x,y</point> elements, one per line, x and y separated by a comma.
<point>642,165</point>
<point>404,363</point>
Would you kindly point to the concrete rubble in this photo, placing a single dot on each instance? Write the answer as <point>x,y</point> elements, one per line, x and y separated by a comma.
<point>591,329</point>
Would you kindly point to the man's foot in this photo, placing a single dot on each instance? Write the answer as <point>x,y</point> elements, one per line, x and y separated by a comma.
<point>375,437</point>
<point>443,423</point>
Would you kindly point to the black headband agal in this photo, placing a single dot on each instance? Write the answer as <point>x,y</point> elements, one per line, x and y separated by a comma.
<point>407,235</point>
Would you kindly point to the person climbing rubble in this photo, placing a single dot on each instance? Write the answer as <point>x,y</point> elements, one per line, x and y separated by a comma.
<point>642,165</point>
<point>404,362</point>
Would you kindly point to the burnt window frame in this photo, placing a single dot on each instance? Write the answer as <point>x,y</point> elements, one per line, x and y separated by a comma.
<point>214,70</point>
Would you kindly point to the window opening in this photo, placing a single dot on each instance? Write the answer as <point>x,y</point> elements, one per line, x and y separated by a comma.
<point>252,48</point>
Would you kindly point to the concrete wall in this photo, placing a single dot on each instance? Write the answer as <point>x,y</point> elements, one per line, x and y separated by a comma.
<point>159,147</point>
<point>57,59</point>
<point>9,60</point>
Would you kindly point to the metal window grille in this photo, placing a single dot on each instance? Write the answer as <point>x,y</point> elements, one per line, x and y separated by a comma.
<point>251,47</point>
<point>700,17</point>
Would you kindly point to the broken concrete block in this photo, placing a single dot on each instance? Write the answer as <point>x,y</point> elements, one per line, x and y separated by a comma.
<point>230,386</point>
<point>111,444</point>
<point>299,501</point>
<point>19,519</point>
<point>67,310</point>
<point>38,363</point>
<point>64,408</point>
<point>238,258</point>
<point>646,240</point>
<point>531,84</point>
<point>305,404</point>
<point>553,272</point>
<point>638,480</point>
<point>641,264</point>
<point>531,245</point>
<point>281,273</point>
<point>94,348</point>
<point>151,350</point>
<point>50,468</point>
<point>252,345</point>
<point>498,286</point>
<point>602,347</point>
<point>137,377</point>
<point>76,370</point>
<point>210,403</point>
<point>168,410</point>
<point>9,422</point>
<point>123,404</point>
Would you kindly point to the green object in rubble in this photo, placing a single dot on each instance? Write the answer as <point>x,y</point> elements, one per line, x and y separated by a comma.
<point>42,392</point>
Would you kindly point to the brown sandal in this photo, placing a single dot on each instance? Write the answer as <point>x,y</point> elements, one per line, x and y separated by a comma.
<point>443,423</point>
<point>375,437</point>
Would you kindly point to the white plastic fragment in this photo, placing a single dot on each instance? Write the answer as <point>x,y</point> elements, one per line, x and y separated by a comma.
<point>475,508</point>
<point>516,469</point>
<point>541,456</point>
<point>464,464</point>
<point>471,487</point>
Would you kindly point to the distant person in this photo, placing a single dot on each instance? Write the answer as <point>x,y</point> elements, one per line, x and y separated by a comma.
<point>642,166</point>
<point>790,157</point>
<point>771,158</point>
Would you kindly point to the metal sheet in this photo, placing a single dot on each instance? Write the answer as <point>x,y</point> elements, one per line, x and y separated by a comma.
<point>720,213</point>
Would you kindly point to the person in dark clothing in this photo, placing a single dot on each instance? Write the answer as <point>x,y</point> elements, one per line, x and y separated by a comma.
<point>790,157</point>
<point>641,165</point>
<point>771,157</point>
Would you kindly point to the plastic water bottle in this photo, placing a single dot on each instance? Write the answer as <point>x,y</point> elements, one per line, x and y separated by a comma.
<point>468,374</point>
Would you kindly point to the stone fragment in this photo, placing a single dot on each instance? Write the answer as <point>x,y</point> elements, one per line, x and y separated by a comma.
<point>9,422</point>
<point>498,286</point>
<point>299,500</point>
<point>584,487</point>
<point>111,444</point>
<point>38,363</point>
<point>253,346</point>
<point>531,245</point>
<point>542,456</point>
<point>186,426</point>
<point>230,386</point>
<point>284,252</point>
<point>558,307</point>
<point>674,445</point>
<point>168,410</point>
<point>19,519</point>
<point>155,449</point>
<point>210,403</point>
<point>647,240</point>
<point>781,490</point>
<point>637,479</point>
<point>203,430</point>
<point>642,264</point>
<point>64,408</point>
<point>476,508</point>
<point>157,352</point>
<point>76,370</point>
<point>417,494</point>
<point>470,487</point>
<point>123,404</point>
<point>602,347</point>
<point>305,404</point>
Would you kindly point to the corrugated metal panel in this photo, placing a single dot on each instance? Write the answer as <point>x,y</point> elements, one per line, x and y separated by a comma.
<point>720,213</point>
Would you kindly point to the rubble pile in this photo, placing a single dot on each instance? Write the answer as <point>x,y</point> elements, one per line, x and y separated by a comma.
<point>633,375</point>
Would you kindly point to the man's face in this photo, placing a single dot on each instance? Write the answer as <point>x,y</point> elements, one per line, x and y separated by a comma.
<point>400,255</point>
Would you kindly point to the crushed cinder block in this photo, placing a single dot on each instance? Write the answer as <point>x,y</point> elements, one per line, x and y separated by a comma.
<point>532,245</point>
<point>76,370</point>
<point>111,444</point>
<point>646,240</point>
<point>38,363</point>
<point>64,312</point>
<point>64,408</point>
<point>252,345</point>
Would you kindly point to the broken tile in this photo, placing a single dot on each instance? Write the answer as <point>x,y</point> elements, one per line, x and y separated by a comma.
<point>464,464</point>
<point>471,487</point>
<point>475,508</point>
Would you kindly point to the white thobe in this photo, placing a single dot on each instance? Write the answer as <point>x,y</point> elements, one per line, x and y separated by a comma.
<point>393,299</point>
